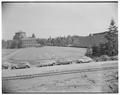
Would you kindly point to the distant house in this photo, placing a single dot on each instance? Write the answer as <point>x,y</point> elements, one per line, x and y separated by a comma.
<point>89,41</point>
<point>99,38</point>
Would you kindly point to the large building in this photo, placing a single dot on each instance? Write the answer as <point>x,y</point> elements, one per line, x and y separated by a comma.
<point>29,42</point>
<point>25,41</point>
<point>91,40</point>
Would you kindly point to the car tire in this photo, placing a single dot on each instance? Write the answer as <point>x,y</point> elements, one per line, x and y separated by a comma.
<point>27,66</point>
<point>13,67</point>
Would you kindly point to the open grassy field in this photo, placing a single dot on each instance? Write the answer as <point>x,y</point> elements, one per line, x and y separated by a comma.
<point>33,55</point>
<point>6,52</point>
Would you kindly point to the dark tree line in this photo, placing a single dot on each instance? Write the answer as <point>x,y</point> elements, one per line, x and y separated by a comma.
<point>109,48</point>
<point>71,41</point>
<point>58,41</point>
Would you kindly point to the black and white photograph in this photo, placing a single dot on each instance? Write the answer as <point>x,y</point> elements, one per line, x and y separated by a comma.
<point>59,47</point>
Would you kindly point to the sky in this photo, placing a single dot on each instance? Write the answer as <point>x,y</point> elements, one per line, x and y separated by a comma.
<point>57,19</point>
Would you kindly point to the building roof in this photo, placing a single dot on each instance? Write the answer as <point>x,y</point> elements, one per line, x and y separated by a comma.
<point>20,32</point>
<point>28,38</point>
<point>102,33</point>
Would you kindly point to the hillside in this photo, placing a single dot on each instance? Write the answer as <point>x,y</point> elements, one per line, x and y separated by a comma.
<point>43,54</point>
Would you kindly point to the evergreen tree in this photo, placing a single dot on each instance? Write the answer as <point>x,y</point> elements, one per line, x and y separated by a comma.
<point>112,39</point>
<point>109,48</point>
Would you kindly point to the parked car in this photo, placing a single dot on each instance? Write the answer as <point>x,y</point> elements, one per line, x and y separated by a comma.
<point>14,66</point>
<point>6,65</point>
<point>84,60</point>
<point>46,63</point>
<point>20,65</point>
<point>80,61</point>
<point>63,61</point>
<point>51,63</point>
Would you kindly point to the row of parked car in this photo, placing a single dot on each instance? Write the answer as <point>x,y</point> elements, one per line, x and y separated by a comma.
<point>66,61</point>
<point>26,64</point>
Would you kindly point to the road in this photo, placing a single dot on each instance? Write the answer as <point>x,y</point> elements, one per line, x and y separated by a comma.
<point>56,70</point>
